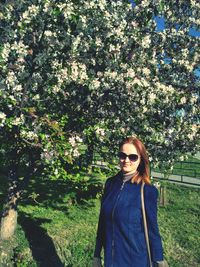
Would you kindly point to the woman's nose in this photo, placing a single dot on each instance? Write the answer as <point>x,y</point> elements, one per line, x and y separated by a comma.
<point>127,159</point>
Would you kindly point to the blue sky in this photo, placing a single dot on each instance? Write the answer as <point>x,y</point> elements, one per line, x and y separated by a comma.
<point>160,21</point>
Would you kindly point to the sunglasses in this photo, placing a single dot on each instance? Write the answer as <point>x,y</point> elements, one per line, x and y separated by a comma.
<point>132,157</point>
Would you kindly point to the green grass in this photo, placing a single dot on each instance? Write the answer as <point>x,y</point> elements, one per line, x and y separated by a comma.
<point>56,228</point>
<point>179,226</point>
<point>70,233</point>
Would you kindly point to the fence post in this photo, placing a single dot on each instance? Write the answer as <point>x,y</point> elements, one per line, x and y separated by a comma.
<point>163,196</point>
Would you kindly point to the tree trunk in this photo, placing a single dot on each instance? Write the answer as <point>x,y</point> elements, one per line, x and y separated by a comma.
<point>8,224</point>
<point>9,216</point>
<point>15,190</point>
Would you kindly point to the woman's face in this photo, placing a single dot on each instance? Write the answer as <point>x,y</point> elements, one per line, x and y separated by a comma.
<point>129,164</point>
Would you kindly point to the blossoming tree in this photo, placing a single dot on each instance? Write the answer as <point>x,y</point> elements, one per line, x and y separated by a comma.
<point>79,72</point>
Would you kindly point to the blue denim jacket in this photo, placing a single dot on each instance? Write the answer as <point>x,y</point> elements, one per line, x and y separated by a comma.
<point>120,228</point>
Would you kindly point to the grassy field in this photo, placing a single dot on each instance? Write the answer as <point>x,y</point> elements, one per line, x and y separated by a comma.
<point>57,226</point>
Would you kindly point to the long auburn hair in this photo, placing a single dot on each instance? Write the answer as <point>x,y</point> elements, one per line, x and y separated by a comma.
<point>143,171</point>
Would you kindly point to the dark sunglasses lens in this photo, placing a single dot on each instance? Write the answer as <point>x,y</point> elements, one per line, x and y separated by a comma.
<point>122,155</point>
<point>133,157</point>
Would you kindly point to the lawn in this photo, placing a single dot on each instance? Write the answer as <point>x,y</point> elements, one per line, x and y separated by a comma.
<point>55,228</point>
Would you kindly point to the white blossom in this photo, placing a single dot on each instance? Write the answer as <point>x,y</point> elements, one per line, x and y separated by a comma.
<point>95,84</point>
<point>49,33</point>
<point>56,172</point>
<point>100,131</point>
<point>47,155</point>
<point>2,118</point>
<point>183,100</point>
<point>146,71</point>
<point>76,153</point>
<point>18,120</point>
<point>72,141</point>
<point>5,51</point>
<point>100,46</point>
<point>29,135</point>
<point>36,97</point>
<point>17,88</point>
<point>75,71</point>
<point>130,73</point>
<point>79,139</point>
<point>146,41</point>
<point>152,97</point>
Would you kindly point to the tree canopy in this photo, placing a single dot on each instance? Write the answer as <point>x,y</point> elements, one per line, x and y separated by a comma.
<point>79,75</point>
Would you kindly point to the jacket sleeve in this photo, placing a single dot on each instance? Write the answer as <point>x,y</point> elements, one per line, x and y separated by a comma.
<point>100,237</point>
<point>150,196</point>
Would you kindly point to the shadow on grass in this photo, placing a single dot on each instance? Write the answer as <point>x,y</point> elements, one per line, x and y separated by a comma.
<point>60,194</point>
<point>41,245</point>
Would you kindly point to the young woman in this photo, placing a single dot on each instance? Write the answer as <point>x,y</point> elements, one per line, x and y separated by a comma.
<point>120,229</point>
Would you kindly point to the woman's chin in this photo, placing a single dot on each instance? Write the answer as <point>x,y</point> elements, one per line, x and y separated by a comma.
<point>126,169</point>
